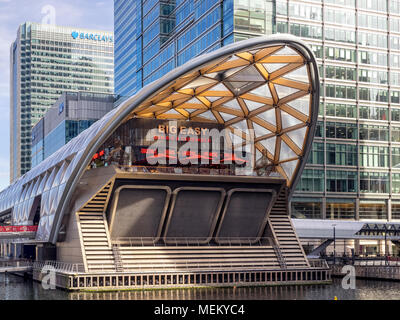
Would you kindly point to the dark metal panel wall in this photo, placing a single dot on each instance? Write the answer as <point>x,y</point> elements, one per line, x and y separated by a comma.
<point>139,212</point>
<point>245,215</point>
<point>193,215</point>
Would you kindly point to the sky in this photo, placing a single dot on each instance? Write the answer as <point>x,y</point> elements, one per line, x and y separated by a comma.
<point>89,14</point>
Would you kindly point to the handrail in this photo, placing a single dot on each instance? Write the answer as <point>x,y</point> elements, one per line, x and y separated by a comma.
<point>192,241</point>
<point>60,266</point>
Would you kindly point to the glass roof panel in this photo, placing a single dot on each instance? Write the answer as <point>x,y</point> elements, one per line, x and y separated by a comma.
<point>286,152</point>
<point>298,136</point>
<point>269,144</point>
<point>288,120</point>
<point>269,116</point>
<point>283,91</point>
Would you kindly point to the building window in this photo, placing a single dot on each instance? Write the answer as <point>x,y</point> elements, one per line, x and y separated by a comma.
<point>341,110</point>
<point>375,133</point>
<point>395,158</point>
<point>374,182</point>
<point>306,209</point>
<point>374,113</point>
<point>373,210</point>
<point>395,182</point>
<point>341,154</point>
<point>372,156</point>
<point>337,130</point>
<point>340,209</point>
<point>317,154</point>
<point>395,210</point>
<point>341,181</point>
<point>311,180</point>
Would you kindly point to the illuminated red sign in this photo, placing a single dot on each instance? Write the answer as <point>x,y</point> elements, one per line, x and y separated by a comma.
<point>189,155</point>
<point>18,229</point>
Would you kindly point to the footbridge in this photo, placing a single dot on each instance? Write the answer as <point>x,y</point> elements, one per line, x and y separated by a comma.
<point>339,229</point>
<point>15,266</point>
<point>331,230</point>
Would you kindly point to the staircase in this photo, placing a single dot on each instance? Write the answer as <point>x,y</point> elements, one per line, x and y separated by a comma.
<point>290,247</point>
<point>95,240</point>
<point>198,257</point>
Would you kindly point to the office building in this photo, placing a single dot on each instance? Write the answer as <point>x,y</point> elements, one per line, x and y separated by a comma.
<point>72,114</point>
<point>154,37</point>
<point>46,61</point>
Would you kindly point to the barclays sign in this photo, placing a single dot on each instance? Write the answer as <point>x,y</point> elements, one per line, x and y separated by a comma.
<point>91,36</point>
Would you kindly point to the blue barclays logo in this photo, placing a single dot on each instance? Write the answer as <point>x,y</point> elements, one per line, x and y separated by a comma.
<point>91,36</point>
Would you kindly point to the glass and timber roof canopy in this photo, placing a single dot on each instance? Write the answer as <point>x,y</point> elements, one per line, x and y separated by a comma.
<point>263,96</point>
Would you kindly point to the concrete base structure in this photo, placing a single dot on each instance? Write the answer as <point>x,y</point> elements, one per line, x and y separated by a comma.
<point>106,258</point>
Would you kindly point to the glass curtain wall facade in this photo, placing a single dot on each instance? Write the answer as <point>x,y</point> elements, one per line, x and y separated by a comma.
<point>155,36</point>
<point>353,170</point>
<point>46,61</point>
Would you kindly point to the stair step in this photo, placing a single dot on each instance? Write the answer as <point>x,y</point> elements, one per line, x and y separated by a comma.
<point>136,256</point>
<point>101,262</point>
<point>90,231</point>
<point>95,243</point>
<point>99,257</point>
<point>90,217</point>
<point>98,252</point>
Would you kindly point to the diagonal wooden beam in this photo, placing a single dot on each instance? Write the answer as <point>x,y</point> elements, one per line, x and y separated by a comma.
<point>234,112</point>
<point>294,113</point>
<point>284,70</point>
<point>266,52</point>
<point>282,59</point>
<point>261,69</point>
<point>246,55</point>
<point>292,145</point>
<point>264,124</point>
<point>293,96</point>
<point>274,94</point>
<point>253,97</point>
<point>292,84</point>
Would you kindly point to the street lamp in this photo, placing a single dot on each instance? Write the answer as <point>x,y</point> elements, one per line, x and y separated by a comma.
<point>334,243</point>
<point>385,234</point>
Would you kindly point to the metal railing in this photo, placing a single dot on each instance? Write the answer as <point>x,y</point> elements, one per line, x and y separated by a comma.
<point>318,263</point>
<point>377,263</point>
<point>20,263</point>
<point>192,241</point>
<point>60,266</point>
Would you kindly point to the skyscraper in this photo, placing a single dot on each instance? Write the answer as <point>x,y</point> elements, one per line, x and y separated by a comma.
<point>47,60</point>
<point>353,172</point>
<point>153,37</point>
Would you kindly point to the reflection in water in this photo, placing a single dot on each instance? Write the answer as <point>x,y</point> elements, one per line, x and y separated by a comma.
<point>15,288</point>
